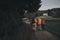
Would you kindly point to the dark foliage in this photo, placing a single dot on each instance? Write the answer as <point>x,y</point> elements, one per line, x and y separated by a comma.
<point>55,12</point>
<point>30,5</point>
<point>11,25</point>
<point>21,5</point>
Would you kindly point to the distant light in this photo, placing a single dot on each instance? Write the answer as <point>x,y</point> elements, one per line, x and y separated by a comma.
<point>45,14</point>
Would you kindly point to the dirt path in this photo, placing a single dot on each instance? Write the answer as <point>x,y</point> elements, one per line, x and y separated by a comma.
<point>43,35</point>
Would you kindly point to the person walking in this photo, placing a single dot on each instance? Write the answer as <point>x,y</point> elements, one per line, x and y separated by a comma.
<point>39,24</point>
<point>33,24</point>
<point>42,23</point>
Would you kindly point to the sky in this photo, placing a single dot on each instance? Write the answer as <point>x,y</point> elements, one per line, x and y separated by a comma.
<point>49,4</point>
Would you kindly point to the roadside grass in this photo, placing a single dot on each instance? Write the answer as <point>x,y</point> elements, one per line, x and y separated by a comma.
<point>53,27</point>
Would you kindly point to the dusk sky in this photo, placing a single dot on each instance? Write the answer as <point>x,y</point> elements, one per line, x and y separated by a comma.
<point>49,4</point>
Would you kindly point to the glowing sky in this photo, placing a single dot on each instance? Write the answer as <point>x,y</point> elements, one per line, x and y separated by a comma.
<point>49,4</point>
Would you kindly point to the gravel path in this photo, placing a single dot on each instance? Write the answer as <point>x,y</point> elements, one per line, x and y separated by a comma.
<point>41,35</point>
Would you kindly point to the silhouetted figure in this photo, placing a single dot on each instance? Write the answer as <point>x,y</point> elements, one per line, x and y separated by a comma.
<point>42,23</point>
<point>39,24</point>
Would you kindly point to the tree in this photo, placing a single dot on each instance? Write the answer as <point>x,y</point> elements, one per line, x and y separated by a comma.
<point>12,11</point>
<point>30,5</point>
<point>21,5</point>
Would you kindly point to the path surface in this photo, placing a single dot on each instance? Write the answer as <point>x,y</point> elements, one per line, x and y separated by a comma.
<point>43,35</point>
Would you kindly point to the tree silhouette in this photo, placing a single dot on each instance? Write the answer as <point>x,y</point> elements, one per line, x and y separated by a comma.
<point>11,13</point>
<point>29,5</point>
